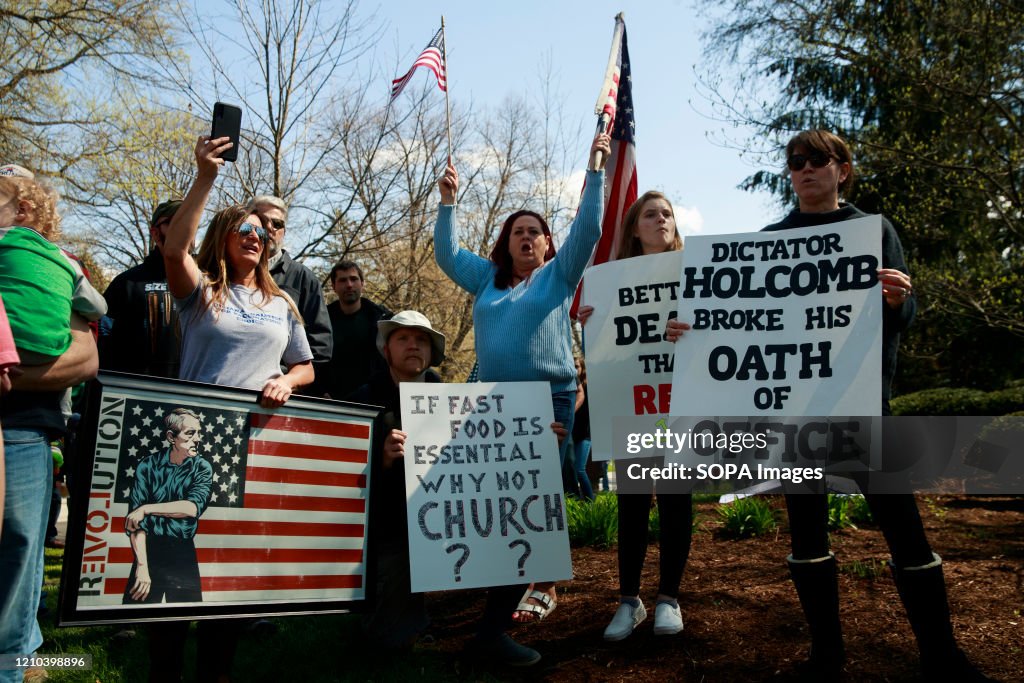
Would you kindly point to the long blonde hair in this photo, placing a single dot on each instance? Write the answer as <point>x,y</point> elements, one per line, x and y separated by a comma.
<point>629,243</point>
<point>212,260</point>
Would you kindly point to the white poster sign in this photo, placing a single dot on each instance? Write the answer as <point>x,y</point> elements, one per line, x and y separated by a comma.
<point>484,485</point>
<point>629,365</point>
<point>785,323</point>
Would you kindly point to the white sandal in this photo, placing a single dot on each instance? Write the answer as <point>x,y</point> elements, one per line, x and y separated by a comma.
<point>539,612</point>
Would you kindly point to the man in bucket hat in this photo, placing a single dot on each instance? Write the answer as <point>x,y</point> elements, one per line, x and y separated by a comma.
<point>410,345</point>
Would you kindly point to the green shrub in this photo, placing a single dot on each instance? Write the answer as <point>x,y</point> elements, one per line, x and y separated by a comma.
<point>858,511</point>
<point>846,512</point>
<point>1002,402</point>
<point>593,523</point>
<point>839,513</point>
<point>961,401</point>
<point>1004,430</point>
<point>938,402</point>
<point>654,524</point>
<point>746,517</point>
<point>597,524</point>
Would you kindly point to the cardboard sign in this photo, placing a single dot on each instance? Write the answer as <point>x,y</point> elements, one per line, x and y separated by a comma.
<point>483,485</point>
<point>784,323</point>
<point>629,365</point>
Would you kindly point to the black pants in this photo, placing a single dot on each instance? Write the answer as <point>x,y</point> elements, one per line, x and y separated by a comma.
<point>173,569</point>
<point>497,617</point>
<point>676,514</point>
<point>216,642</point>
<point>896,515</point>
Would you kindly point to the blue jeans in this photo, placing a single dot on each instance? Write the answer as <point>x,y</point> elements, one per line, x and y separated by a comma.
<point>29,480</point>
<point>582,456</point>
<point>564,404</point>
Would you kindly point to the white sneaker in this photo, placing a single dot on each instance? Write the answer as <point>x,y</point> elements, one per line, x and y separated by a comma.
<point>667,619</point>
<point>625,620</point>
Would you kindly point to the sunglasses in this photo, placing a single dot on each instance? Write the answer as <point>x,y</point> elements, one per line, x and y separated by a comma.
<point>818,160</point>
<point>245,229</point>
<point>276,224</point>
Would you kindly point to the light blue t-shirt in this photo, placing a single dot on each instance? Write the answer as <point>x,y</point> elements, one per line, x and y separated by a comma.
<point>241,342</point>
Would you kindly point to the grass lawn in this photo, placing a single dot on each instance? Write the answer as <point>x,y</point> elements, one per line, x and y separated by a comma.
<point>313,648</point>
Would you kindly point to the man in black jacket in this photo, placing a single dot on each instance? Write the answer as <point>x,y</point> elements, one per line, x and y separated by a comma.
<point>139,333</point>
<point>300,284</point>
<point>354,321</point>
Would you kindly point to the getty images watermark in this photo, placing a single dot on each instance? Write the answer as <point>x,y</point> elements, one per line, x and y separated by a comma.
<point>811,454</point>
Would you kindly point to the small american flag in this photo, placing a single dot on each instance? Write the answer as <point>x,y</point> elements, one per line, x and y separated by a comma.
<point>287,508</point>
<point>433,58</point>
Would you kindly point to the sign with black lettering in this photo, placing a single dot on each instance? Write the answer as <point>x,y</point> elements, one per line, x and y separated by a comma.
<point>484,486</point>
<point>784,323</point>
<point>629,364</point>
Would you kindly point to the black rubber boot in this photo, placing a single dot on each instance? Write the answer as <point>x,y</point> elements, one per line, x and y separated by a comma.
<point>817,584</point>
<point>923,592</point>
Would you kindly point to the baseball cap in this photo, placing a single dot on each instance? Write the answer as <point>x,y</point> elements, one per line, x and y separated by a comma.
<point>165,210</point>
<point>13,170</point>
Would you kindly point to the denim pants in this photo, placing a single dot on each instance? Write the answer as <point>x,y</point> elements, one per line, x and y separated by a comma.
<point>582,456</point>
<point>29,480</point>
<point>564,404</point>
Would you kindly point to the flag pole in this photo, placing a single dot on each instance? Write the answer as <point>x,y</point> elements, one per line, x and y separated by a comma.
<point>609,76</point>
<point>447,105</point>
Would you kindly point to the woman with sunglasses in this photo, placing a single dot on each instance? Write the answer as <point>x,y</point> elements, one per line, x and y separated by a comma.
<point>237,330</point>
<point>649,227</point>
<point>237,327</point>
<point>820,168</point>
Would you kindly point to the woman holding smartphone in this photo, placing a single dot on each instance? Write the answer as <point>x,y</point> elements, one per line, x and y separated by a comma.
<point>237,329</point>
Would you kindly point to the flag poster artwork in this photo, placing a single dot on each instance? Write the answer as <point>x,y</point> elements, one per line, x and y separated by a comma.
<point>202,502</point>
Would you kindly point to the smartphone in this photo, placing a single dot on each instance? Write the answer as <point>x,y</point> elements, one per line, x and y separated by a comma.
<point>227,122</point>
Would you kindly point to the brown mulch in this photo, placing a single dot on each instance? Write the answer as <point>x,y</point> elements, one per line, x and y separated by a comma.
<point>743,621</point>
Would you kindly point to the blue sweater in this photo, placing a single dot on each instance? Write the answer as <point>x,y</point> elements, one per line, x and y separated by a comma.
<point>523,333</point>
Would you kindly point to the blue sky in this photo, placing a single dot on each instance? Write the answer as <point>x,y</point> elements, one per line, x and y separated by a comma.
<point>497,49</point>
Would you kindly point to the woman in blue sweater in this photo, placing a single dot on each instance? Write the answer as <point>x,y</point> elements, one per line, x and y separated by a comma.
<point>523,294</point>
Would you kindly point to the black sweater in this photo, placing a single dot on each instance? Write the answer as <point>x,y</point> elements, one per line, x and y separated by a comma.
<point>894,321</point>
<point>388,528</point>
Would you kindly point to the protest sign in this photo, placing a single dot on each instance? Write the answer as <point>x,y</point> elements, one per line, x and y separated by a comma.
<point>784,323</point>
<point>269,504</point>
<point>629,365</point>
<point>483,485</point>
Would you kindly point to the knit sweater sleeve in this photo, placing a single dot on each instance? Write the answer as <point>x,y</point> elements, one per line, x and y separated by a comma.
<point>466,269</point>
<point>572,259</point>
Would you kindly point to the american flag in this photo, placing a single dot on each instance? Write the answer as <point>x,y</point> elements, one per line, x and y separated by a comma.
<point>620,171</point>
<point>433,58</point>
<point>287,510</point>
<point>616,106</point>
